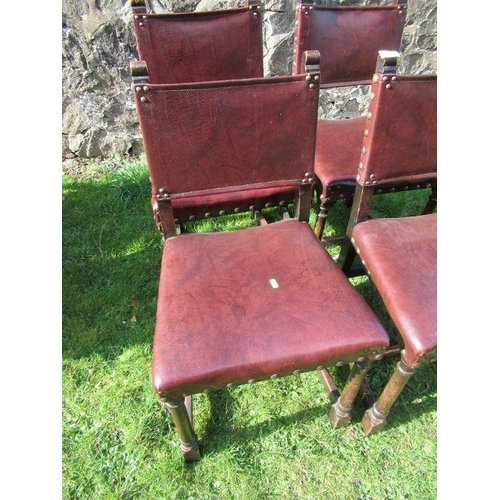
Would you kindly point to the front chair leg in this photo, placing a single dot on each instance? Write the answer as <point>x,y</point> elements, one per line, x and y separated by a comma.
<point>375,418</point>
<point>340,412</point>
<point>190,448</point>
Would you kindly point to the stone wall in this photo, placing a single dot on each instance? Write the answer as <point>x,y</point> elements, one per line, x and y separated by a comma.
<point>99,118</point>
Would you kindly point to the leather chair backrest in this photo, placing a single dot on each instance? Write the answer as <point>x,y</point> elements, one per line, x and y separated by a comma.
<point>215,136</point>
<point>348,39</point>
<point>400,143</point>
<point>201,46</point>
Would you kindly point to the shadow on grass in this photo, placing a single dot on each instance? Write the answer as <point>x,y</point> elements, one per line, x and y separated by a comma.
<point>111,254</point>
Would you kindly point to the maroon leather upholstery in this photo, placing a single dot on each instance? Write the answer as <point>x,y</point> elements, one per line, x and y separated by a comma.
<point>247,305</point>
<point>232,136</point>
<point>401,257</point>
<point>338,148</point>
<point>201,46</point>
<point>401,138</point>
<point>348,39</point>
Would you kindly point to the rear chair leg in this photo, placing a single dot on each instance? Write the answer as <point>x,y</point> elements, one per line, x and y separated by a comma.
<point>431,203</point>
<point>375,418</point>
<point>321,220</point>
<point>340,412</point>
<point>190,448</point>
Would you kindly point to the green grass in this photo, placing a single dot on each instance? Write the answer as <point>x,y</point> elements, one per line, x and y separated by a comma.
<point>270,440</point>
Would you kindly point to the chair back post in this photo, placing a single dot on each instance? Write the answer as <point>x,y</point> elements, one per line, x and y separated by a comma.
<point>387,62</point>
<point>139,71</point>
<point>167,224</point>
<point>138,7</point>
<point>310,66</point>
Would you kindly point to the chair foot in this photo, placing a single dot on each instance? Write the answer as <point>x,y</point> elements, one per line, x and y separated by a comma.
<point>340,412</point>
<point>191,452</point>
<point>375,418</point>
<point>373,423</point>
<point>339,416</point>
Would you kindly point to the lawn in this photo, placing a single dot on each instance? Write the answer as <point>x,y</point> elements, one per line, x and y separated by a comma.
<point>271,440</point>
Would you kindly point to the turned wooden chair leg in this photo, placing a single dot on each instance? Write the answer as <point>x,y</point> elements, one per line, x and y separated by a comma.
<point>182,418</point>
<point>340,412</point>
<point>375,418</point>
<point>319,227</point>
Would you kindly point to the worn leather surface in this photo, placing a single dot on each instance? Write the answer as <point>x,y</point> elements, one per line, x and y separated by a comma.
<point>201,46</point>
<point>338,150</point>
<point>348,39</point>
<point>401,257</point>
<point>401,138</point>
<point>211,136</point>
<point>219,319</point>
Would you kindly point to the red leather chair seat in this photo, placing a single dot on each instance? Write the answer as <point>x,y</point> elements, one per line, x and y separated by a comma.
<point>217,309</point>
<point>401,257</point>
<point>337,157</point>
